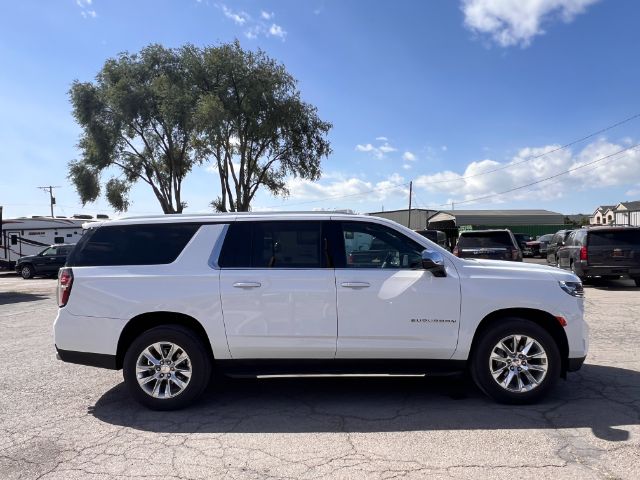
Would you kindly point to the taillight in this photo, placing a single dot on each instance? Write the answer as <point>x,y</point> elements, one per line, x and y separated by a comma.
<point>515,254</point>
<point>65,282</point>
<point>583,254</point>
<point>455,251</point>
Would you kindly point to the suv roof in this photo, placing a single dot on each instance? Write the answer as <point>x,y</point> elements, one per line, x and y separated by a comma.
<point>229,217</point>
<point>467,232</point>
<point>612,227</point>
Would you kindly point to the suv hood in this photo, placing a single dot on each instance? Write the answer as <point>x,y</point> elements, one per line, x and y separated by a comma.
<point>514,270</point>
<point>26,257</point>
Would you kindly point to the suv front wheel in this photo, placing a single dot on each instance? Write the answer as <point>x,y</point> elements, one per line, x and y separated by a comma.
<point>166,368</point>
<point>515,361</point>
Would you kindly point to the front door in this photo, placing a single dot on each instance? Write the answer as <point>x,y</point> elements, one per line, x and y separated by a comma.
<point>388,306</point>
<point>278,292</point>
<point>47,261</point>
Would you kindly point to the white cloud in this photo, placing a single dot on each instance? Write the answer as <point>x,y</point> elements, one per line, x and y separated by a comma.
<point>382,139</point>
<point>255,26</point>
<point>510,22</point>
<point>409,157</point>
<point>386,148</point>
<point>277,31</point>
<point>353,189</point>
<point>620,170</point>
<point>85,8</point>
<point>364,148</point>
<point>443,148</point>
<point>240,18</point>
<point>378,152</point>
<point>406,166</point>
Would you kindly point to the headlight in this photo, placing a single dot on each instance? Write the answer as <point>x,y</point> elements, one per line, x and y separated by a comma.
<point>572,288</point>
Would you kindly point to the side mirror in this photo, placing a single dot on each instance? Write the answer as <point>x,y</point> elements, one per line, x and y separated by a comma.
<point>434,263</point>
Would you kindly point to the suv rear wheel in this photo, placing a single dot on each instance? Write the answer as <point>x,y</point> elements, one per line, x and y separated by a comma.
<point>515,361</point>
<point>166,368</point>
<point>27,271</point>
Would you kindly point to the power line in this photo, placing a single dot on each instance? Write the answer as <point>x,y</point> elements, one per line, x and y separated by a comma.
<point>562,147</point>
<point>52,199</point>
<point>503,167</point>
<point>632,147</point>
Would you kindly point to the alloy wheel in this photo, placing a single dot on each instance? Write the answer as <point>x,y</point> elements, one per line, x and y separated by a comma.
<point>518,363</point>
<point>163,370</point>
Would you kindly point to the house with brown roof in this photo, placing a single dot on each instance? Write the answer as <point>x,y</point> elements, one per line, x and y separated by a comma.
<point>603,215</point>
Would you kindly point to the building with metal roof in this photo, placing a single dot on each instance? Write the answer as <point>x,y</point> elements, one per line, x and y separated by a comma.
<point>419,217</point>
<point>491,218</point>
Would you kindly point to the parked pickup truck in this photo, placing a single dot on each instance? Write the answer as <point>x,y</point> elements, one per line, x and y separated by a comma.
<point>606,252</point>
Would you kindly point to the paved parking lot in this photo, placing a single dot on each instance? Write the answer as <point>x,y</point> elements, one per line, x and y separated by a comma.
<point>61,421</point>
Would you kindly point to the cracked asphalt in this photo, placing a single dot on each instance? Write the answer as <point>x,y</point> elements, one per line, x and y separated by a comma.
<point>62,421</point>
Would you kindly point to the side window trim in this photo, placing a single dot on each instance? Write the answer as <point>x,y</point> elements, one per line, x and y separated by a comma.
<point>217,248</point>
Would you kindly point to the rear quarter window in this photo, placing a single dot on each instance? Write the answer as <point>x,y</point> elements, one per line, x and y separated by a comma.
<point>131,245</point>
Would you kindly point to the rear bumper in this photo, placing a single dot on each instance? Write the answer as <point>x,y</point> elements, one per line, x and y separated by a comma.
<point>608,270</point>
<point>575,364</point>
<point>100,360</point>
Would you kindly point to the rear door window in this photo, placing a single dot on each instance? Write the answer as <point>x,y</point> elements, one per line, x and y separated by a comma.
<point>151,244</point>
<point>297,244</point>
<point>485,240</point>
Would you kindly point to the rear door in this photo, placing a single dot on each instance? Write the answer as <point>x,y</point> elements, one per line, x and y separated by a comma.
<point>614,248</point>
<point>278,290</point>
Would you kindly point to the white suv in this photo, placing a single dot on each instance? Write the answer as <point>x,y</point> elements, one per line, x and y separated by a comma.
<point>169,298</point>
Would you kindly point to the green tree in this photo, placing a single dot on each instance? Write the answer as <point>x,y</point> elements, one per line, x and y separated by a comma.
<point>138,123</point>
<point>255,127</point>
<point>152,116</point>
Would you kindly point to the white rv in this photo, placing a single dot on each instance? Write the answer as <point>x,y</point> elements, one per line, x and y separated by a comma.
<point>28,236</point>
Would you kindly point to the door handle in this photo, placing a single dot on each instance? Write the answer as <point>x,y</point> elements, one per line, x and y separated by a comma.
<point>355,284</point>
<point>247,284</point>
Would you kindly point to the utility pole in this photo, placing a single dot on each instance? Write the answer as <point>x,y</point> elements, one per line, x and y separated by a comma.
<point>410,195</point>
<point>52,199</point>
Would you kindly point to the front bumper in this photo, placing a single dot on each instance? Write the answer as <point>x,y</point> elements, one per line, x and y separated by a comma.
<point>575,364</point>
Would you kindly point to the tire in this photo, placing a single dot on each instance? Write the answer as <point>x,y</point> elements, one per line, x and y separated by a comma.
<point>519,389</point>
<point>189,377</point>
<point>27,271</point>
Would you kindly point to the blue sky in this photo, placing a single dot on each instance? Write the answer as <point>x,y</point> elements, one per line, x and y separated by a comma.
<point>426,91</point>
